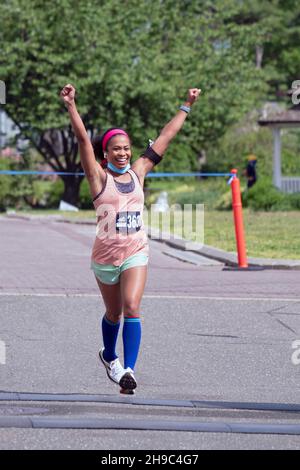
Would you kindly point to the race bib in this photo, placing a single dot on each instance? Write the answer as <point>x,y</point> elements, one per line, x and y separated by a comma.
<point>128,222</point>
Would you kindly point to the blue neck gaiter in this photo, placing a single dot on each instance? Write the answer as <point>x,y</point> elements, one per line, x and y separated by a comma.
<point>121,171</point>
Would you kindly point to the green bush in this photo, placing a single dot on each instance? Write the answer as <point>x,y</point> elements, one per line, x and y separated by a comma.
<point>295,200</point>
<point>205,191</point>
<point>290,162</point>
<point>5,186</point>
<point>48,194</point>
<point>14,189</point>
<point>264,196</point>
<point>54,194</point>
<point>208,198</point>
<point>85,199</point>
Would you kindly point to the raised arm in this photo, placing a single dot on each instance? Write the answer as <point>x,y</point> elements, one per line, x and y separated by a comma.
<point>173,127</point>
<point>143,165</point>
<point>91,167</point>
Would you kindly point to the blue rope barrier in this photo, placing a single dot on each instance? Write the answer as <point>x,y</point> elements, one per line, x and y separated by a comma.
<point>29,172</point>
<point>150,175</point>
<point>166,175</point>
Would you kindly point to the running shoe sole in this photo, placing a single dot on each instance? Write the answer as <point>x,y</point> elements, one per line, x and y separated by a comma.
<point>128,382</point>
<point>127,392</point>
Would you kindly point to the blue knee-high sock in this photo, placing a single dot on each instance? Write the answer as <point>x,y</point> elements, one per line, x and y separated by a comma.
<point>132,333</point>
<point>110,332</point>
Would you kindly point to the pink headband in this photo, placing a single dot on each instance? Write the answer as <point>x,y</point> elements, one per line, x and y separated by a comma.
<point>110,134</point>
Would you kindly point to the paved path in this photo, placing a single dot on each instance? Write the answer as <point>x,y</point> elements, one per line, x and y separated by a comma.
<point>211,337</point>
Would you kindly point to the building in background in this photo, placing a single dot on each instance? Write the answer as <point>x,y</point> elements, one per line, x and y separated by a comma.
<point>277,121</point>
<point>8,129</point>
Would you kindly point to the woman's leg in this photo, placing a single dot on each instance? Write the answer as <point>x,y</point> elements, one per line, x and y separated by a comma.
<point>111,320</point>
<point>112,299</point>
<point>132,283</point>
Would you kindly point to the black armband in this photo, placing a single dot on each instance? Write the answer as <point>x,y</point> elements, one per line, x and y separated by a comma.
<point>152,155</point>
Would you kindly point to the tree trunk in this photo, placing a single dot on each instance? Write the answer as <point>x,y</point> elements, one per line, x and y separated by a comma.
<point>72,189</point>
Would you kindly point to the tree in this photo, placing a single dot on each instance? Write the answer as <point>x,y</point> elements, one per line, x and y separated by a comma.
<point>131,63</point>
<point>277,56</point>
<point>277,41</point>
<point>38,54</point>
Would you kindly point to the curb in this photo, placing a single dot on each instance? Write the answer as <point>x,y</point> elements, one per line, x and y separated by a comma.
<point>52,218</point>
<point>229,259</point>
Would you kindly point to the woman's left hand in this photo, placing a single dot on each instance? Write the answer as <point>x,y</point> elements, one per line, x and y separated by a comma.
<point>193,95</point>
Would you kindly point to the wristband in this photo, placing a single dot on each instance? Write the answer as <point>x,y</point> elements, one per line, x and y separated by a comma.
<point>186,109</point>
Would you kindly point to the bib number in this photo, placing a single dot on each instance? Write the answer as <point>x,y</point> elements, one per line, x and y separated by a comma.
<point>128,222</point>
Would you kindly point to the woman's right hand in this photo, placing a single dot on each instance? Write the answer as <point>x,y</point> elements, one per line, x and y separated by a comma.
<point>67,94</point>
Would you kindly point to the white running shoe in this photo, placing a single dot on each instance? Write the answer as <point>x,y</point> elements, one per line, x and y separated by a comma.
<point>114,369</point>
<point>128,381</point>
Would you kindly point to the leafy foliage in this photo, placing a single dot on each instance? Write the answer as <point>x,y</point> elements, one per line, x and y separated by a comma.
<point>265,197</point>
<point>132,62</point>
<point>12,192</point>
<point>131,69</point>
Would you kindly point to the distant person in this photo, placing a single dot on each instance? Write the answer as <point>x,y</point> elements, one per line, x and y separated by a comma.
<point>120,252</point>
<point>250,171</point>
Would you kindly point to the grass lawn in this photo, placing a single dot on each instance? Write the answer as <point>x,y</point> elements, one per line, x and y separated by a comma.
<point>268,234</point>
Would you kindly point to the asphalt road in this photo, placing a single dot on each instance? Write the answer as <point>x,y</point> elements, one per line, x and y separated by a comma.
<point>215,369</point>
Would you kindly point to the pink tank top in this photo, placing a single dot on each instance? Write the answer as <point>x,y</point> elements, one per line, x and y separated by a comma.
<point>120,231</point>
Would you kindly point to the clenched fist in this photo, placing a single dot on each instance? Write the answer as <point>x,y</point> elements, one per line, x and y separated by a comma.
<point>67,94</point>
<point>193,95</point>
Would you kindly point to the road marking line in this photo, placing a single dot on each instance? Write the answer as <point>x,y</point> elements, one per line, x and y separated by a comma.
<point>221,298</point>
<point>153,296</point>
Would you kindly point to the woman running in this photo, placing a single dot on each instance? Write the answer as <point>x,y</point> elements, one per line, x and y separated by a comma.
<point>120,252</point>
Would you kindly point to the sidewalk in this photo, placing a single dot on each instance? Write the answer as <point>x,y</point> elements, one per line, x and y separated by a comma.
<point>202,252</point>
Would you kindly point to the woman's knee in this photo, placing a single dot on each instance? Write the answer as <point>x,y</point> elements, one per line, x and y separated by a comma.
<point>114,317</point>
<point>112,300</point>
<point>131,307</point>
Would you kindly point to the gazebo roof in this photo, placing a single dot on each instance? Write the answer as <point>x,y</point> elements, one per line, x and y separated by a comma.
<point>290,116</point>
